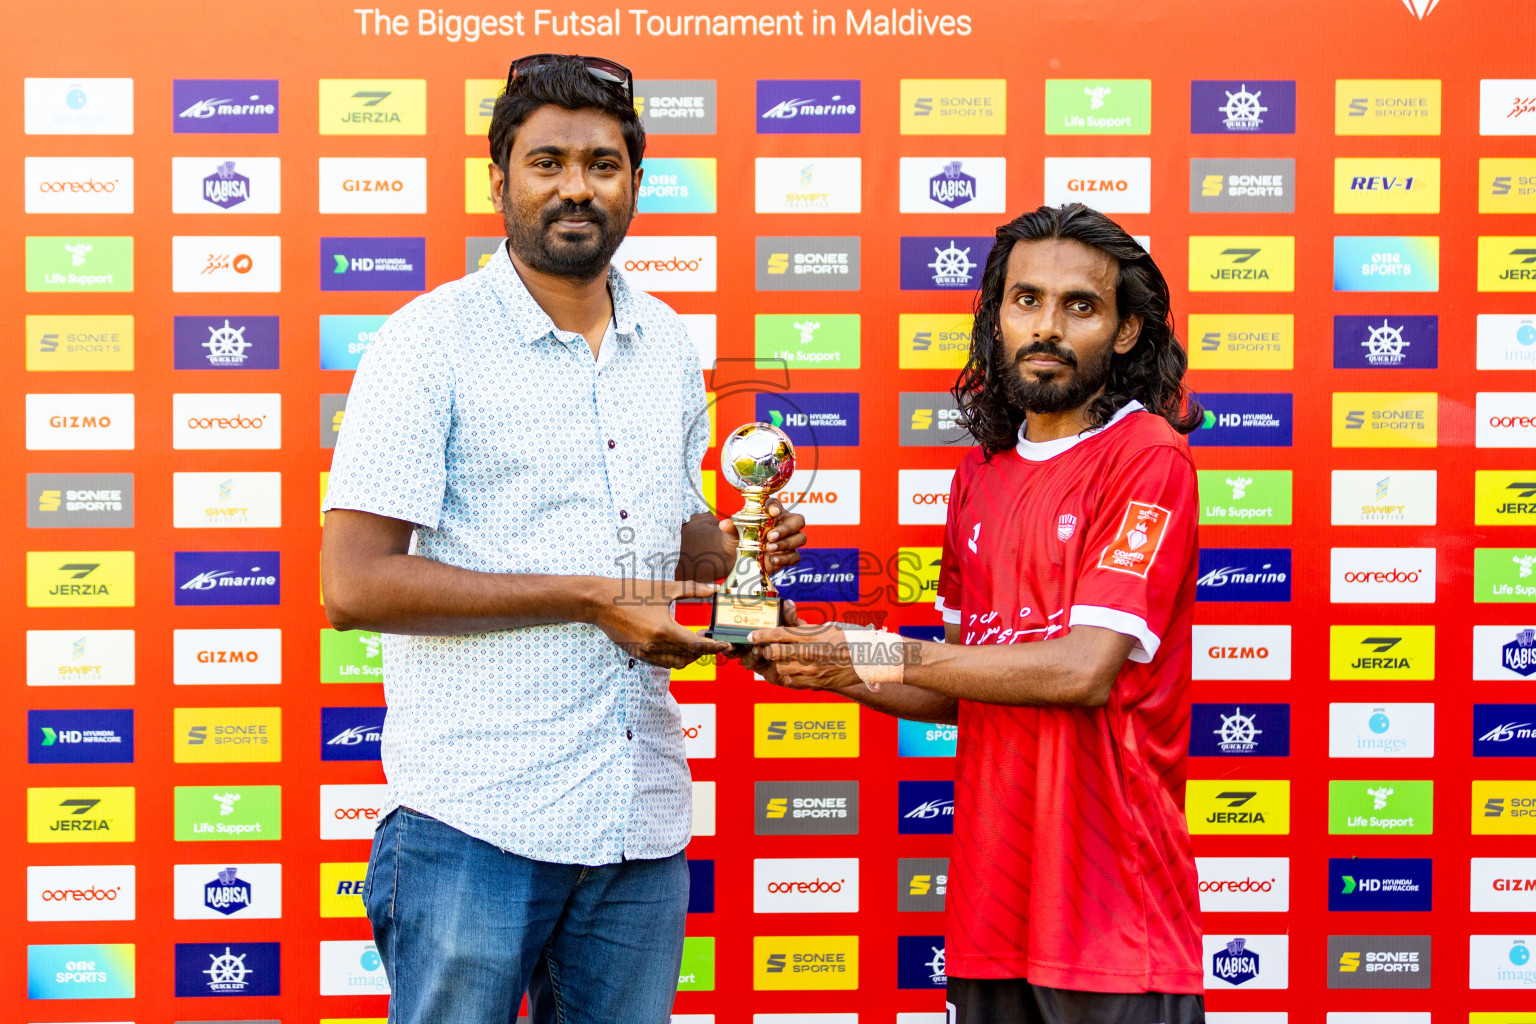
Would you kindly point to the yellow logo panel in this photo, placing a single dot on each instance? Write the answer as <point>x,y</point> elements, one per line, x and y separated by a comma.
<point>373,106</point>
<point>479,102</point>
<point>325,486</point>
<point>1242,341</point>
<point>205,735</point>
<point>934,341</point>
<point>1242,263</point>
<point>1386,185</point>
<point>917,575</point>
<point>341,889</point>
<point>1504,807</point>
<point>80,814</point>
<point>790,962</point>
<point>1504,1017</point>
<point>805,730</point>
<point>1224,807</point>
<point>79,342</point>
<point>1386,106</point>
<point>1505,497</point>
<point>701,670</point>
<point>79,579</point>
<point>1385,419</point>
<point>1506,263</point>
<point>1381,652</point>
<point>1506,185</point>
<point>954,106</point>
<point>477,185</point>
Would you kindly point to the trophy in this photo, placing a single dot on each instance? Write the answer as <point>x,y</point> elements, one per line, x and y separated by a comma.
<point>756,459</point>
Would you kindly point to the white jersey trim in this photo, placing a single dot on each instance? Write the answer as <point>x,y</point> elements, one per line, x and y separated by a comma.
<point>1041,451</point>
<point>951,615</point>
<point>1133,626</point>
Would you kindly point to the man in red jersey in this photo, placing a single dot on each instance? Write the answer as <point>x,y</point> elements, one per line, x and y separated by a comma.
<point>1067,587</point>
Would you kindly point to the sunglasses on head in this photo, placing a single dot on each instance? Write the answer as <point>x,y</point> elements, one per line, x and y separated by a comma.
<point>606,71</point>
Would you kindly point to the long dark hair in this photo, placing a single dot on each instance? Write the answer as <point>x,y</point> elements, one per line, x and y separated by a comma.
<point>1151,372</point>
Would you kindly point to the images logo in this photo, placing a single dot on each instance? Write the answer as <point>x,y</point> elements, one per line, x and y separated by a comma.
<point>1381,730</point>
<point>373,264</point>
<point>226,343</point>
<point>1501,961</point>
<point>1227,807</point>
<point>80,737</point>
<point>1242,341</point>
<point>80,815</point>
<point>72,263</point>
<point>820,107</point>
<point>78,106</point>
<point>1244,884</point>
<point>825,419</point>
<point>1381,106</point>
<point>229,812</point>
<point>225,106</point>
<point>1108,184</point>
<point>64,184</point>
<point>1507,106</point>
<point>1083,106</point>
<point>952,185</point>
<point>954,106</point>
<point>1242,186</point>
<point>228,578</point>
<point>1504,575</point>
<point>222,891</point>
<point>81,971</point>
<point>206,735</point>
<point>1385,419</point>
<point>357,106</point>
<point>1242,108</point>
<point>1363,497</point>
<point>1250,263</point>
<point>1244,574</point>
<point>1245,496</point>
<point>81,893</point>
<point>80,579</point>
<point>1379,961</point>
<point>1381,652</point>
<point>1361,807</point>
<point>226,263</point>
<point>351,734</point>
<point>943,263</point>
<point>921,883</point>
<point>1227,730</point>
<point>1386,185</point>
<point>809,886</point>
<point>1503,652</point>
<point>667,106</point>
<point>1396,263</point>
<point>1380,884</point>
<point>819,263</point>
<point>925,808</point>
<point>93,500</point>
<point>668,263</point>
<point>228,969</point>
<point>1385,341</point>
<point>351,968</point>
<point>1506,342</point>
<point>1251,961</point>
<point>1241,652</point>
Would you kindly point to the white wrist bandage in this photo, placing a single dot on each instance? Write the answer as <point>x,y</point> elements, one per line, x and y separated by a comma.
<point>877,656</point>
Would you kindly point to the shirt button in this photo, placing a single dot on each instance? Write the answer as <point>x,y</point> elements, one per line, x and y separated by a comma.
<point>631,662</point>
<point>610,442</point>
<point>629,734</point>
<point>623,514</point>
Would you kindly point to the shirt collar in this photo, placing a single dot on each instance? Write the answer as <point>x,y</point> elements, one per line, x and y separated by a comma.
<point>1040,451</point>
<point>509,287</point>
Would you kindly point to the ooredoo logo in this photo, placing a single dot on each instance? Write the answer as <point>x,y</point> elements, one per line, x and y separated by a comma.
<point>698,730</point>
<point>350,811</point>
<point>668,263</point>
<point>80,893</point>
<point>922,496</point>
<point>1244,884</point>
<point>1382,575</point>
<point>221,421</point>
<point>806,885</point>
<point>1505,419</point>
<point>79,184</point>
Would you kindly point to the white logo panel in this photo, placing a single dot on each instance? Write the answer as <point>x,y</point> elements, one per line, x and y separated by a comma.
<point>1372,497</point>
<point>809,184</point>
<point>1381,575</point>
<point>79,184</point>
<point>1507,106</point>
<point>701,331</point>
<point>78,106</point>
<point>351,811</point>
<point>826,497</point>
<point>226,184</point>
<point>1506,419</point>
<point>1241,652</point>
<point>698,730</point>
<point>703,808</point>
<point>1372,1017</point>
<point>226,657</point>
<point>1505,653</point>
<point>226,500</point>
<point>1506,341</point>
<point>1502,961</point>
<point>1242,885</point>
<point>79,423</point>
<point>226,263</point>
<point>81,893</point>
<point>373,185</point>
<point>972,184</point>
<point>351,969</point>
<point>922,496</point>
<point>1274,961</point>
<point>227,891</point>
<point>225,421</point>
<point>1504,885</point>
<point>805,885</point>
<point>668,263</point>
<point>1381,730</point>
<point>1108,184</point>
<point>80,657</point>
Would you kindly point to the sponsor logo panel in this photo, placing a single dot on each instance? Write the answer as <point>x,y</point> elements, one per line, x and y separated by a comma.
<point>934,341</point>
<point>808,184</point>
<point>701,886</point>
<point>74,263</point>
<point>217,184</point>
<point>223,657</point>
<point>1386,342</point>
<point>1246,107</point>
<point>1505,106</point>
<point>1506,185</point>
<point>59,422</point>
<point>226,263</point>
<point>360,106</point>
<point>229,812</point>
<point>225,421</point>
<point>1381,575</point>
<point>1501,961</point>
<point>824,574</point>
<point>373,264</point>
<point>1245,496</point>
<point>1387,497</point>
<point>1503,652</point>
<point>826,497</point>
<point>226,342</point>
<point>1378,961</point>
<point>806,106</point>
<point>1087,106</point>
<point>701,328</point>
<point>351,968</point>
<point>80,657</point>
<point>1504,730</point>
<point>227,500</point>
<point>1108,184</point>
<point>666,106</point>
<point>828,885</point>
<point>805,730</point>
<point>228,578</point>
<point>1238,807</point>
<point>1386,106</point>
<point>954,106</point>
<point>925,739</point>
<point>703,809</point>
<point>920,962</point>
<point>1504,574</point>
<point>696,972</point>
<point>80,343</point>
<point>205,735</point>
<point>1381,730</point>
<point>1503,885</point>
<point>1506,419</point>
<point>1364,807</point>
<point>228,969</point>
<point>1380,883</point>
<point>1386,263</point>
<point>80,579</point>
<point>351,733</point>
<point>71,184</point>
<point>352,811</point>
<point>954,184</point>
<point>373,185</point>
<point>925,808</point>
<point>1381,652</point>
<point>83,814</point>
<point>333,410</point>
<point>698,730</point>
<point>1503,808</point>
<point>356,656</point>
<point>808,962</point>
<point>87,892</point>
<point>344,340</point>
<point>341,889</point>
<point>102,736</point>
<point>1244,884</point>
<point>668,263</point>
<point>917,575</point>
<point>930,419</point>
<point>922,496</point>
<point>826,418</point>
<point>1242,263</point>
<point>1253,341</point>
<point>678,185</point>
<point>1386,185</point>
<point>83,500</point>
<point>1249,961</point>
<point>806,808</point>
<point>98,970</point>
<point>818,263</point>
<point>1241,652</point>
<point>1242,186</point>
<point>1240,730</point>
<point>1505,497</point>
<point>943,262</point>
<point>226,892</point>
<point>1244,574</point>
<point>921,883</point>
<point>808,341</point>
<point>77,106</point>
<point>225,106</point>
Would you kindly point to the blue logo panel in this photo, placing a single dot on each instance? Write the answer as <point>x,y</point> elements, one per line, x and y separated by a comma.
<point>80,737</point>
<point>225,342</point>
<point>1244,420</point>
<point>1380,883</point>
<point>1384,341</point>
<point>1504,730</point>
<point>204,578</point>
<point>228,969</point>
<point>1240,730</point>
<point>943,262</point>
<point>1245,107</point>
<point>81,971</point>
<point>373,264</point>
<point>224,106</point>
<point>824,574</point>
<point>1386,263</point>
<point>345,339</point>
<point>1244,574</point>
<point>803,107</point>
<point>925,739</point>
<point>920,961</point>
<point>925,808</point>
<point>823,418</point>
<point>701,887</point>
<point>351,734</point>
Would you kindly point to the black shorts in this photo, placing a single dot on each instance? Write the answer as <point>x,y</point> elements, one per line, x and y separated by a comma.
<point>1016,1001</point>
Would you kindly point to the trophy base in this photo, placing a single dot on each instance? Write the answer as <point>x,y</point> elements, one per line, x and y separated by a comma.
<point>736,616</point>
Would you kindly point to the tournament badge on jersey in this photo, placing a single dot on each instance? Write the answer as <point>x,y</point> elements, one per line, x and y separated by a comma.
<point>1141,534</point>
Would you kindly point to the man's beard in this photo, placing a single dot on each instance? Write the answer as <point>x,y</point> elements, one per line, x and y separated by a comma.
<point>1052,393</point>
<point>560,255</point>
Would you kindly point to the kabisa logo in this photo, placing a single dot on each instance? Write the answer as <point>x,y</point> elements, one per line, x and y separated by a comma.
<point>804,107</point>
<point>80,815</point>
<point>223,106</point>
<point>1242,263</point>
<point>1241,730</point>
<point>1384,341</point>
<point>1519,654</point>
<point>952,187</point>
<point>1246,419</point>
<point>373,264</point>
<point>671,106</point>
<point>1244,574</point>
<point>225,343</point>
<point>351,733</point>
<point>807,808</point>
<point>228,969</point>
<point>223,890</point>
<point>1380,883</point>
<point>925,808</point>
<point>943,184</point>
<point>225,188</point>
<point>228,578</point>
<point>1242,108</point>
<point>813,418</point>
<point>943,263</point>
<point>1236,963</point>
<point>1503,730</point>
<point>1420,8</point>
<point>1238,806</point>
<point>824,574</point>
<point>920,962</point>
<point>80,737</point>
<point>78,106</point>
<point>1386,263</point>
<point>228,893</point>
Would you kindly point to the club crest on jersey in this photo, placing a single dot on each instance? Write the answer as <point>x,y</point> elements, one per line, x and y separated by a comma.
<point>1135,545</point>
<point>1066,526</point>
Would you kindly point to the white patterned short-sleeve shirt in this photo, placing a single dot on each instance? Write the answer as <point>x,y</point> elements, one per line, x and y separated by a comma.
<point>513,450</point>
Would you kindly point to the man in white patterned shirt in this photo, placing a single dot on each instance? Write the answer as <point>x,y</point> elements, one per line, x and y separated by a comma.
<point>536,429</point>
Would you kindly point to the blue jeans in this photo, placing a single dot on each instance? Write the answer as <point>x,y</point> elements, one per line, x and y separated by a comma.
<point>465,928</point>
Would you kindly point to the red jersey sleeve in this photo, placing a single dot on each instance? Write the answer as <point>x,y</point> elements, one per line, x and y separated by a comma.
<point>1139,549</point>
<point>948,600</point>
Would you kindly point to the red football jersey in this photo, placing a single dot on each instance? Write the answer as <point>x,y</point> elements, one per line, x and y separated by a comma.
<point>1071,863</point>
